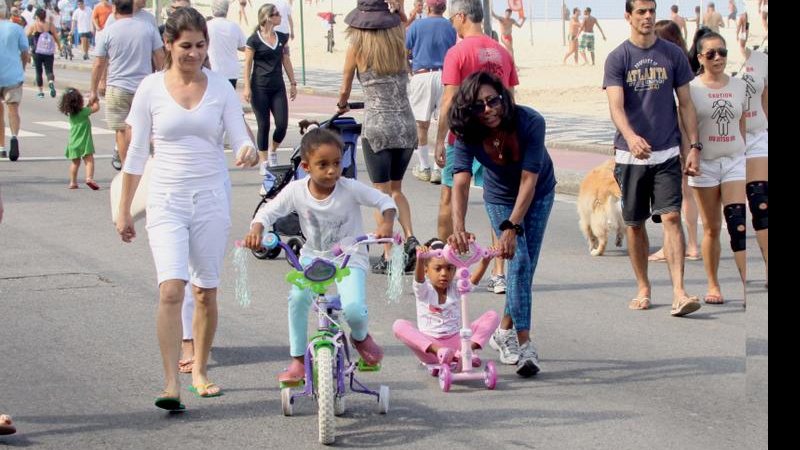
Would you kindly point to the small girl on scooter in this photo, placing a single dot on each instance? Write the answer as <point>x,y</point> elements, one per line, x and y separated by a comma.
<point>329,209</point>
<point>436,339</point>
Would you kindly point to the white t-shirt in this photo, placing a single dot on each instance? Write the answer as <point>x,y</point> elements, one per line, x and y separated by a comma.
<point>83,19</point>
<point>327,221</point>
<point>189,154</point>
<point>434,319</point>
<point>225,40</point>
<point>129,48</point>
<point>28,16</point>
<point>755,74</point>
<point>718,115</point>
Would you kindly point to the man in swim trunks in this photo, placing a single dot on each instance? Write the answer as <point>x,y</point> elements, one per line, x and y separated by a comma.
<point>587,38</point>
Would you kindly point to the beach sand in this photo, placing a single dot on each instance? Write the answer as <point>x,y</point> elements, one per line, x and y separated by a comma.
<point>545,83</point>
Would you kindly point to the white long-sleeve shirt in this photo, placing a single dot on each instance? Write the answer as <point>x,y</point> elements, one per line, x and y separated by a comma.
<point>327,221</point>
<point>189,153</point>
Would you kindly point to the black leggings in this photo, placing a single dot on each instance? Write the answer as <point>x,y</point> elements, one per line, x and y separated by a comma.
<point>46,62</point>
<point>263,102</point>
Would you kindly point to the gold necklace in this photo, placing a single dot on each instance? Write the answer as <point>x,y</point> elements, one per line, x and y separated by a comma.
<point>498,146</point>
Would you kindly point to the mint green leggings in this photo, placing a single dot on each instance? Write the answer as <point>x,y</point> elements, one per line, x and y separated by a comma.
<point>353,293</point>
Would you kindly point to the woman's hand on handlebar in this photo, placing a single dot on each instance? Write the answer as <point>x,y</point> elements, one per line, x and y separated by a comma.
<point>507,244</point>
<point>253,239</point>
<point>342,107</point>
<point>460,241</point>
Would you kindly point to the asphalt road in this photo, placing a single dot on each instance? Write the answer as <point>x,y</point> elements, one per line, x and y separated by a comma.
<point>80,366</point>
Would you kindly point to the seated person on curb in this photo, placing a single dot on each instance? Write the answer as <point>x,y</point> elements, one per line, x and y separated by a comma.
<point>436,337</point>
<point>329,208</point>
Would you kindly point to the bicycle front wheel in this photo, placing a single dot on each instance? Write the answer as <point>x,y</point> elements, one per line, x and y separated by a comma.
<point>326,392</point>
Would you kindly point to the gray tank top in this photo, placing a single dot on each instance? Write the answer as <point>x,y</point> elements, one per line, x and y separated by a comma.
<point>388,119</point>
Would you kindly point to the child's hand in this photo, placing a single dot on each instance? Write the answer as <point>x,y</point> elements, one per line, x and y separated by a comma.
<point>252,240</point>
<point>384,230</point>
<point>492,250</point>
<point>421,250</point>
<point>246,157</point>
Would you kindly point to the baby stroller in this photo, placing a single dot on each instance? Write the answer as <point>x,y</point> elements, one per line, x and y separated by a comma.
<point>278,177</point>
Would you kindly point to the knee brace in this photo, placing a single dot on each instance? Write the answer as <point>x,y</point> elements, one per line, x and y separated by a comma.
<point>735,219</point>
<point>758,198</point>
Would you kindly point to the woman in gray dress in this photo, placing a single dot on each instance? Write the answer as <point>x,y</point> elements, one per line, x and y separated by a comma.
<point>377,54</point>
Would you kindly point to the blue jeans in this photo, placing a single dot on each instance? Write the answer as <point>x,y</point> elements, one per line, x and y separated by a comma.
<point>353,292</point>
<point>519,297</point>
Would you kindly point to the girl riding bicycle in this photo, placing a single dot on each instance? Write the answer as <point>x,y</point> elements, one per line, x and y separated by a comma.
<point>329,210</point>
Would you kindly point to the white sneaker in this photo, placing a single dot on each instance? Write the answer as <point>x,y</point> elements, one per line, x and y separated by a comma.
<point>272,159</point>
<point>262,168</point>
<point>505,342</point>
<point>422,174</point>
<point>436,175</point>
<point>528,364</point>
<point>499,285</point>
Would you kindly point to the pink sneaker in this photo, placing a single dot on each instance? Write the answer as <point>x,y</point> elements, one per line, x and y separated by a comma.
<point>370,352</point>
<point>295,373</point>
<point>476,360</point>
<point>445,355</point>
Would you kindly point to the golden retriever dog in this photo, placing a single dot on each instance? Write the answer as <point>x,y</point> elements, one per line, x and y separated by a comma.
<point>599,208</point>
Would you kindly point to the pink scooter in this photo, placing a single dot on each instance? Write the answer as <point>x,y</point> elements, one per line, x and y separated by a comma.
<point>458,371</point>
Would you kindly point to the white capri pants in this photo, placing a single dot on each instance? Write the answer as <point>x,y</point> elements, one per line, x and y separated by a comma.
<point>189,230</point>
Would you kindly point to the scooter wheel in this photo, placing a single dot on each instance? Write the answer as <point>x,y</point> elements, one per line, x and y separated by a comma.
<point>445,377</point>
<point>490,375</point>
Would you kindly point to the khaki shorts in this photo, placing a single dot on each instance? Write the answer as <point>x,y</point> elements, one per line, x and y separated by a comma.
<point>118,105</point>
<point>11,94</point>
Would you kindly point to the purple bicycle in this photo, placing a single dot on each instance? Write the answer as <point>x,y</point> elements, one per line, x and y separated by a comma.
<point>327,358</point>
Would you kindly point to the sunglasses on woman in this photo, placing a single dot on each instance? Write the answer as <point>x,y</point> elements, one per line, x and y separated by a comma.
<point>711,54</point>
<point>480,106</point>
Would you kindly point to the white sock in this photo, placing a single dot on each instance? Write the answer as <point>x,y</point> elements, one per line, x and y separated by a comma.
<point>422,155</point>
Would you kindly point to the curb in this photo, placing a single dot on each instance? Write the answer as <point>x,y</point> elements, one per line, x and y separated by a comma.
<point>306,90</point>
<point>568,181</point>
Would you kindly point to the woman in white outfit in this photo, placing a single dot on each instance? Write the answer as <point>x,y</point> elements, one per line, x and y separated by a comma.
<point>755,73</point>
<point>719,188</point>
<point>186,109</point>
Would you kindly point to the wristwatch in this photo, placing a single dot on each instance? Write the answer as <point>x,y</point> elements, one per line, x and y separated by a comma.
<point>507,225</point>
<point>698,146</point>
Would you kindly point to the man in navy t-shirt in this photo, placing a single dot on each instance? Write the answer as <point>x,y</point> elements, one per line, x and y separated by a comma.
<point>642,77</point>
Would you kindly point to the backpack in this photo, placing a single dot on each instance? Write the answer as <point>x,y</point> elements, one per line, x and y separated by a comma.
<point>45,45</point>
